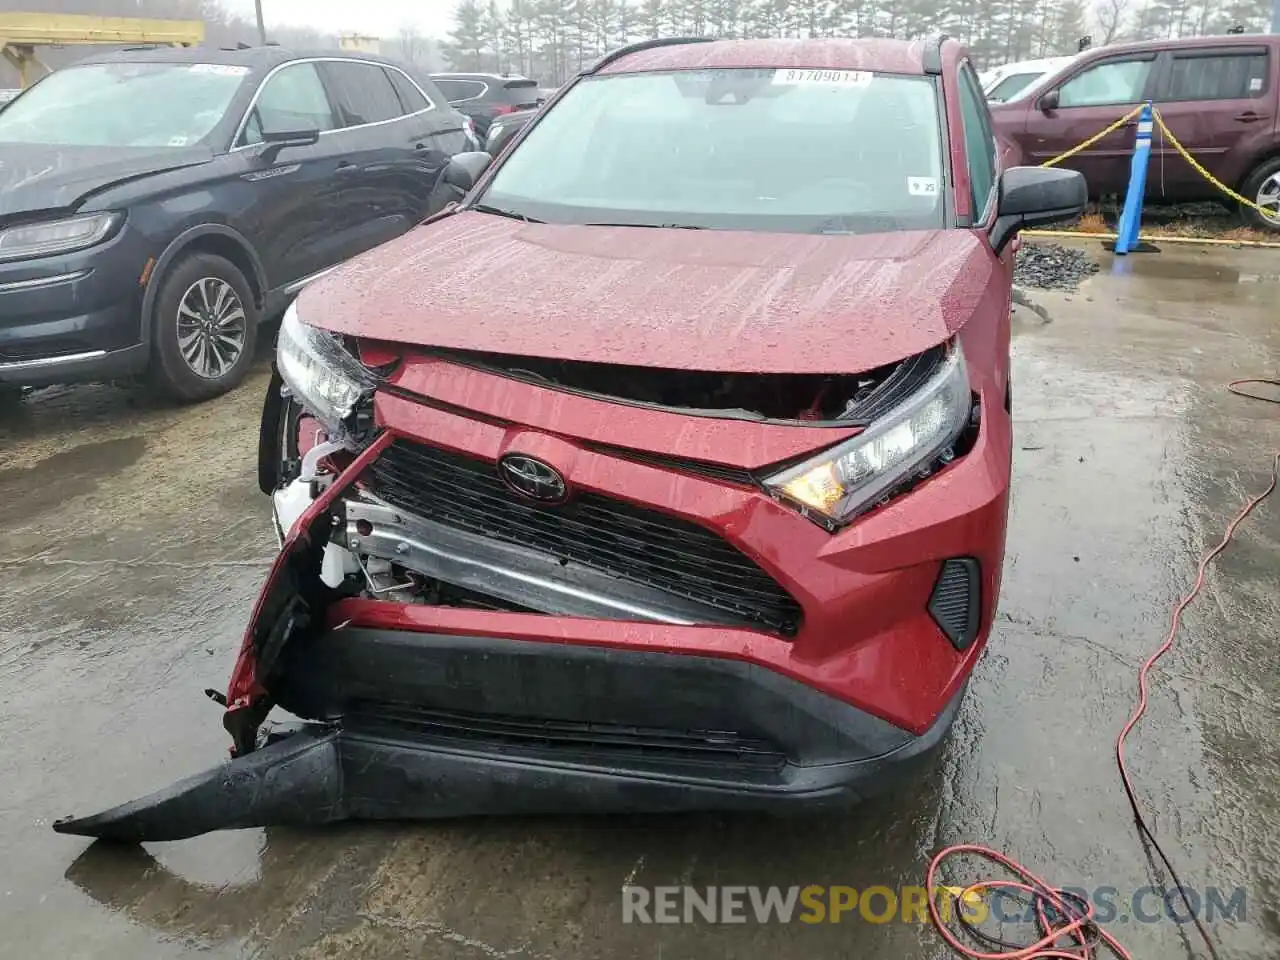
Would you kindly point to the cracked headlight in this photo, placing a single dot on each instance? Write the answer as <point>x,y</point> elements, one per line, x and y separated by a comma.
<point>840,483</point>
<point>49,237</point>
<point>322,376</point>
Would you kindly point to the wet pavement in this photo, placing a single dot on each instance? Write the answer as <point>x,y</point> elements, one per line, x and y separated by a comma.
<point>135,538</point>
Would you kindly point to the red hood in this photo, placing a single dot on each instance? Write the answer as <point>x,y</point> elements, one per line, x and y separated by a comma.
<point>681,299</point>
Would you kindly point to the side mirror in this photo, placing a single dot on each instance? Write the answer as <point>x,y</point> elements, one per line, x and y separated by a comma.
<point>1036,197</point>
<point>1049,101</point>
<point>274,141</point>
<point>464,169</point>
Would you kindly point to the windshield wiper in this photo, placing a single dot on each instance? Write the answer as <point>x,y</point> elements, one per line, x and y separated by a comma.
<point>499,212</point>
<point>655,226</point>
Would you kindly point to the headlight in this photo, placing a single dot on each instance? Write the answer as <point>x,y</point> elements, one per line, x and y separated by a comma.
<point>326,379</point>
<point>56,236</point>
<point>842,482</point>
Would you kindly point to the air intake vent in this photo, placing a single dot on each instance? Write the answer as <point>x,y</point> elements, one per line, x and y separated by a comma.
<point>957,600</point>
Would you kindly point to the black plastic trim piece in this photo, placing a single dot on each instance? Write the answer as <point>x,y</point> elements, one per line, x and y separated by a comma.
<point>322,773</point>
<point>641,45</point>
<point>956,601</point>
<point>932,61</point>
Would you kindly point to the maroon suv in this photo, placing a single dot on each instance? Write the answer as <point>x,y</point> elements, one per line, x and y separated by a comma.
<point>1219,96</point>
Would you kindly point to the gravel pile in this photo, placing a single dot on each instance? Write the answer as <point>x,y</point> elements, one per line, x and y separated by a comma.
<point>1047,266</point>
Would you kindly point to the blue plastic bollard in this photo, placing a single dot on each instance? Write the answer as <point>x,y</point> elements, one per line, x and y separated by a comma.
<point>1131,218</point>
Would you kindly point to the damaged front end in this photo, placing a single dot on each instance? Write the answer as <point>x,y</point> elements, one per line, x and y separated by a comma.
<point>469,633</point>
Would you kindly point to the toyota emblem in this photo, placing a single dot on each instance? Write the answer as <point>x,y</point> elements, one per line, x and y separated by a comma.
<point>532,478</point>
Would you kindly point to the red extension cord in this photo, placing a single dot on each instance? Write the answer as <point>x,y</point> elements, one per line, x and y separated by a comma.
<point>1066,925</point>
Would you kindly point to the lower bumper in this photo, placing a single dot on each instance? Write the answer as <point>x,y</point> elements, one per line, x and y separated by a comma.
<point>83,366</point>
<point>427,727</point>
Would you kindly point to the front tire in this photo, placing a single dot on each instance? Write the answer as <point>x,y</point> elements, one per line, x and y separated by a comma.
<point>204,328</point>
<point>1262,186</point>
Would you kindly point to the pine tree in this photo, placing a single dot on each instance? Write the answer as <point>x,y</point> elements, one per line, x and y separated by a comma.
<point>465,47</point>
<point>653,18</point>
<point>491,30</point>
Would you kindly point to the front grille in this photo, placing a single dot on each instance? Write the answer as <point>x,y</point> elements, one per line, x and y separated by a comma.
<point>624,540</point>
<point>616,740</point>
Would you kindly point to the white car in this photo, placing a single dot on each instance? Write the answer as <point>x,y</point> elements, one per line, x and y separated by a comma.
<point>7,95</point>
<point>1011,81</point>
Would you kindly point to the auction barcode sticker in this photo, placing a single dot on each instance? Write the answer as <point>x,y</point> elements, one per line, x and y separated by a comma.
<point>220,69</point>
<point>843,78</point>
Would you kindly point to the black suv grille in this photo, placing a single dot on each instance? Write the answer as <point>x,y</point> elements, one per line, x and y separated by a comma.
<point>627,541</point>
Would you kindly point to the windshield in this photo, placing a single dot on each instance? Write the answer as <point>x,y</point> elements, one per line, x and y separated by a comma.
<point>123,105</point>
<point>1012,85</point>
<point>813,151</point>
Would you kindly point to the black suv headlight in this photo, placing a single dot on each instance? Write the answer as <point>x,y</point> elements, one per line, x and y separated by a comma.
<point>46,238</point>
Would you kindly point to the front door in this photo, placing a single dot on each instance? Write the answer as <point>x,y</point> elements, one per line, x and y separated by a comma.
<point>285,214</point>
<point>1089,100</point>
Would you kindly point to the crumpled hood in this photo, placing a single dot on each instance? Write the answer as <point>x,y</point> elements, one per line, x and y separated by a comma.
<point>680,299</point>
<point>36,177</point>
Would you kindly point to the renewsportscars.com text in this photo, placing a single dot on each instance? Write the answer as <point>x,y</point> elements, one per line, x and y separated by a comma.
<point>881,904</point>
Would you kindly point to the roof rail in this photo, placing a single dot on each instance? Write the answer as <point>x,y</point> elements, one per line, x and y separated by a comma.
<point>933,53</point>
<point>630,48</point>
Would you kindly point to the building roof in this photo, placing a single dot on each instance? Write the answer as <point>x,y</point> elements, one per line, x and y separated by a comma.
<point>872,54</point>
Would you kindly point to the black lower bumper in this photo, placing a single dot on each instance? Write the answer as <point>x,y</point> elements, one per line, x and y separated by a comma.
<point>413,726</point>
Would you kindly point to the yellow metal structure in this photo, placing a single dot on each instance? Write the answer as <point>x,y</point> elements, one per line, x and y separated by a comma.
<point>21,33</point>
<point>359,43</point>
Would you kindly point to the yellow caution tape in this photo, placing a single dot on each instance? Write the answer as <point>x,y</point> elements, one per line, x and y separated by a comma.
<point>1095,138</point>
<point>1186,155</point>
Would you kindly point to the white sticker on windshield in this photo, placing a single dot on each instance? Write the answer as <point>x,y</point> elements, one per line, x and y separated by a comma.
<point>922,186</point>
<point>1255,84</point>
<point>841,78</point>
<point>178,141</point>
<point>221,69</point>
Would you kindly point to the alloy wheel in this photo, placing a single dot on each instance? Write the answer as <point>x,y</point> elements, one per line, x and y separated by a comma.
<point>1269,197</point>
<point>212,327</point>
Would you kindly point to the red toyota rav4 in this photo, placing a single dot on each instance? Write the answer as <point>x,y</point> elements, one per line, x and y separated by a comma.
<point>667,470</point>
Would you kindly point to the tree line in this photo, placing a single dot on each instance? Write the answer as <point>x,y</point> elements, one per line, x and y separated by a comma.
<point>551,39</point>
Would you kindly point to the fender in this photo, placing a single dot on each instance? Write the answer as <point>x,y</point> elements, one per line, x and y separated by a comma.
<point>177,245</point>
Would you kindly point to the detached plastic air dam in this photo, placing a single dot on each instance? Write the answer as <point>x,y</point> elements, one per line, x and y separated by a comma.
<point>321,774</point>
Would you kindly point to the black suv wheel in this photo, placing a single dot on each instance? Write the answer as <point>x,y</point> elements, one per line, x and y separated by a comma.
<point>204,328</point>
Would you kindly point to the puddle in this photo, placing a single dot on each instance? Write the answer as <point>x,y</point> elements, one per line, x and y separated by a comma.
<point>1163,267</point>
<point>50,482</point>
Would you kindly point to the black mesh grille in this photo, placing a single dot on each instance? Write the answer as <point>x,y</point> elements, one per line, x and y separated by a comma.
<point>611,535</point>
<point>956,600</point>
<point>709,746</point>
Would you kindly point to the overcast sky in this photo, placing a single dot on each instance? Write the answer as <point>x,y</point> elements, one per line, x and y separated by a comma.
<point>382,18</point>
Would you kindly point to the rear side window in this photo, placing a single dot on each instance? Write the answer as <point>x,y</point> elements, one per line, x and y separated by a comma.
<point>1115,82</point>
<point>411,98</point>
<point>1227,76</point>
<point>979,142</point>
<point>292,99</point>
<point>523,94</point>
<point>362,91</point>
<point>1013,85</point>
<point>458,90</point>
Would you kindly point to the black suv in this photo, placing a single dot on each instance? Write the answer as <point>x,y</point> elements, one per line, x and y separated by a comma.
<point>486,96</point>
<point>155,204</point>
